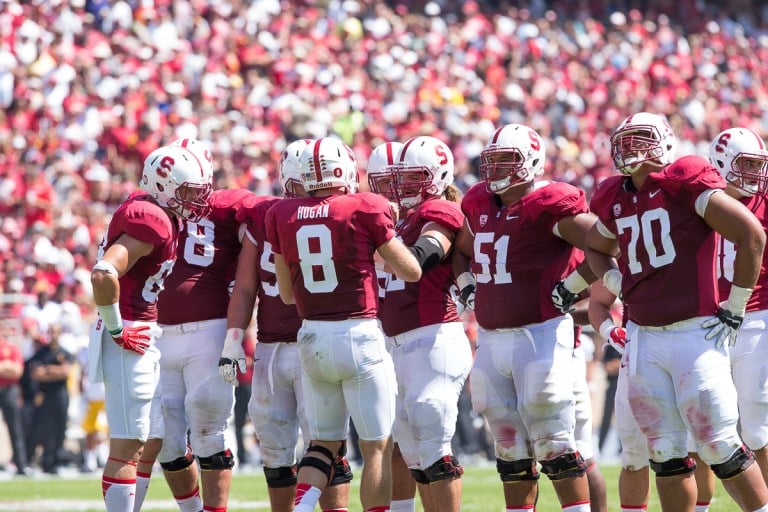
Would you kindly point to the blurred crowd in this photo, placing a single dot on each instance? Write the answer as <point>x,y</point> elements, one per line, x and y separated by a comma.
<point>89,87</point>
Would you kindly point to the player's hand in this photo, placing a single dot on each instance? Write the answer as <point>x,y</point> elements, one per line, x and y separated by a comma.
<point>617,338</point>
<point>135,339</point>
<point>723,327</point>
<point>563,298</point>
<point>466,284</point>
<point>232,356</point>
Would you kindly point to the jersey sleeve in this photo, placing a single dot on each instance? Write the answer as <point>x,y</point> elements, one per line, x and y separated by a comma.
<point>445,213</point>
<point>559,200</point>
<point>470,203</point>
<point>375,214</point>
<point>227,203</point>
<point>603,199</point>
<point>271,225</point>
<point>147,222</point>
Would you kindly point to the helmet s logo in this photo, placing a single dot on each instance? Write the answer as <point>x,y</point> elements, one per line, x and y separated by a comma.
<point>722,142</point>
<point>165,166</point>
<point>535,142</point>
<point>440,151</point>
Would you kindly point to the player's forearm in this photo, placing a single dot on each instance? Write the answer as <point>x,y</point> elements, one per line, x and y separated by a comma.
<point>240,309</point>
<point>746,266</point>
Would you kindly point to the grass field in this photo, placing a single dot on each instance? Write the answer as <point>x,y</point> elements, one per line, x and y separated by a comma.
<point>482,493</point>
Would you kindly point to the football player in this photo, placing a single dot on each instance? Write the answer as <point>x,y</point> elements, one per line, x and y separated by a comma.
<point>429,348</point>
<point>135,257</point>
<point>276,406</point>
<point>324,247</point>
<point>523,239</point>
<point>741,157</point>
<point>655,245</point>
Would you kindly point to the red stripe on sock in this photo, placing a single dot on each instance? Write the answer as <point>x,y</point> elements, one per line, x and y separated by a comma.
<point>196,492</point>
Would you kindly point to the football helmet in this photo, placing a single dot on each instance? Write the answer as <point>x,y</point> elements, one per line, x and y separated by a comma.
<point>642,138</point>
<point>424,170</point>
<point>199,149</point>
<point>289,166</point>
<point>379,171</point>
<point>740,156</point>
<point>328,163</point>
<point>177,180</point>
<point>514,155</point>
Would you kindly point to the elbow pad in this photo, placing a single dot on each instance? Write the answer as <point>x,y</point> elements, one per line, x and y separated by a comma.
<point>428,252</point>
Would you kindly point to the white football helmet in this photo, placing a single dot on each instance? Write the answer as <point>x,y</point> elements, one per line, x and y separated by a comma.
<point>328,163</point>
<point>514,155</point>
<point>199,149</point>
<point>177,180</point>
<point>642,138</point>
<point>740,156</point>
<point>379,168</point>
<point>424,170</point>
<point>289,166</point>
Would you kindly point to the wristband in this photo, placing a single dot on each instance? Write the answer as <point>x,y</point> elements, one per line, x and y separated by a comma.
<point>234,336</point>
<point>606,327</point>
<point>112,319</point>
<point>575,283</point>
<point>737,299</point>
<point>465,279</point>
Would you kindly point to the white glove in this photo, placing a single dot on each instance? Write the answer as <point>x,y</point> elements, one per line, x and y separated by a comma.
<point>232,356</point>
<point>466,285</point>
<point>615,336</point>
<point>612,281</point>
<point>724,326</point>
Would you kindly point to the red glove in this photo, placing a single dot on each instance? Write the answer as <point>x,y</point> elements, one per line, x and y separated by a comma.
<point>133,338</point>
<point>617,338</point>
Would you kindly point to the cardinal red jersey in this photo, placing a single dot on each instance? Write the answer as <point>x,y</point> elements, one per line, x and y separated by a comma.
<point>411,305</point>
<point>517,259</point>
<point>198,287</point>
<point>667,250</point>
<point>758,301</point>
<point>328,243</point>
<point>275,320</point>
<point>142,219</point>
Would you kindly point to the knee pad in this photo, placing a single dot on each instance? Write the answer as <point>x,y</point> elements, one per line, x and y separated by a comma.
<point>217,461</point>
<point>735,465</point>
<point>278,478</point>
<point>420,476</point>
<point>674,467</point>
<point>447,468</point>
<point>310,460</point>
<point>179,464</point>
<point>518,470</point>
<point>565,466</point>
<point>342,473</point>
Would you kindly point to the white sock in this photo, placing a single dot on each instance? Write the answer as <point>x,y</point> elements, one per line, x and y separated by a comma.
<point>306,498</point>
<point>764,508</point>
<point>580,506</point>
<point>403,505</point>
<point>191,502</point>
<point>522,508</point>
<point>633,508</point>
<point>119,495</point>
<point>701,507</point>
<point>142,484</point>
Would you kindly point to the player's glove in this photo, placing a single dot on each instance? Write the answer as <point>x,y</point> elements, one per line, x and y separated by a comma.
<point>563,299</point>
<point>232,356</point>
<point>615,336</point>
<point>135,339</point>
<point>724,326</point>
<point>466,284</point>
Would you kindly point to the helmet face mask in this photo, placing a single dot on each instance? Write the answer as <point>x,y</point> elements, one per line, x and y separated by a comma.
<point>424,171</point>
<point>289,168</point>
<point>642,138</point>
<point>380,169</point>
<point>514,156</point>
<point>740,156</point>
<point>178,181</point>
